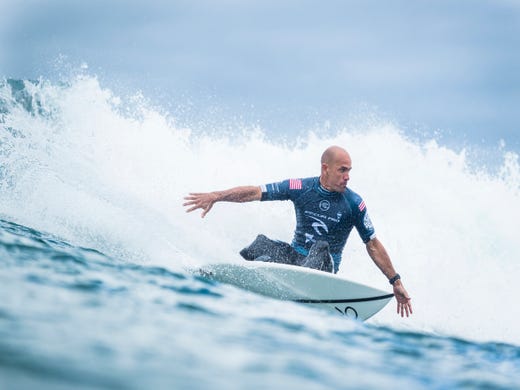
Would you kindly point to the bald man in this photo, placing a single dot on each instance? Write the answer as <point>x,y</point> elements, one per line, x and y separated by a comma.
<point>326,212</point>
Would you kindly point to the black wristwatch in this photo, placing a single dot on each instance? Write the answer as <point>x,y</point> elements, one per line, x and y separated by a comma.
<point>394,279</point>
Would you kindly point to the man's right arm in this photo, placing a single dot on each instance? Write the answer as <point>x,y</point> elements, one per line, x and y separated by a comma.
<point>206,200</point>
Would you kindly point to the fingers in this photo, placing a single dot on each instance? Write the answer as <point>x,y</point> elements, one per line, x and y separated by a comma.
<point>192,198</point>
<point>192,208</point>
<point>206,210</point>
<point>404,308</point>
<point>400,309</point>
<point>194,202</point>
<point>193,195</point>
<point>198,201</point>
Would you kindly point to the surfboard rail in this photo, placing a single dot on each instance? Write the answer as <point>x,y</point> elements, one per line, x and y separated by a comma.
<point>303,285</point>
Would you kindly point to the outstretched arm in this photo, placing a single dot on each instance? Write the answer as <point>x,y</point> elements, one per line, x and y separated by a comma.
<point>378,253</point>
<point>206,200</point>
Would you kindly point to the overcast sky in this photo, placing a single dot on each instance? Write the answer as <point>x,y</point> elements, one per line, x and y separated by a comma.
<point>449,65</point>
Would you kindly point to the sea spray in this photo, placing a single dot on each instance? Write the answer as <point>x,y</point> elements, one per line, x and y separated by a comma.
<point>110,173</point>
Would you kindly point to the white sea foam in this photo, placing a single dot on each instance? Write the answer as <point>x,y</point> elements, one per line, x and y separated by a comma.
<point>112,175</point>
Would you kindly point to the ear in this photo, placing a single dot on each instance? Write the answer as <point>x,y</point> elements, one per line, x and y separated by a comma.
<point>324,167</point>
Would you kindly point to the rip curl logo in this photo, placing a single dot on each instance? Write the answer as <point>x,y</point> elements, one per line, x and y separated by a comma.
<point>319,224</point>
<point>324,205</point>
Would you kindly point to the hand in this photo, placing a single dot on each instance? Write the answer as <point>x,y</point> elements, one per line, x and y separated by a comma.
<point>404,306</point>
<point>204,201</point>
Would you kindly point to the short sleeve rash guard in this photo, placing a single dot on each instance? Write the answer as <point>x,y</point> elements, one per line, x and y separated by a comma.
<point>321,214</point>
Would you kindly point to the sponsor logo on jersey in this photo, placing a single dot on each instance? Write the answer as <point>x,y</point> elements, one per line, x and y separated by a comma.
<point>324,205</point>
<point>319,224</point>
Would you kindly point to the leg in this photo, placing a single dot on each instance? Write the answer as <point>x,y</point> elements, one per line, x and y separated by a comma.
<point>265,249</point>
<point>319,257</point>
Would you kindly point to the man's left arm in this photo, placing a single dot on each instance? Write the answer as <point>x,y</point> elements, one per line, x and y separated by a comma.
<point>378,254</point>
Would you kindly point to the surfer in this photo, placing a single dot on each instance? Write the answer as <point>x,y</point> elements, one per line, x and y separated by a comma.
<point>326,212</point>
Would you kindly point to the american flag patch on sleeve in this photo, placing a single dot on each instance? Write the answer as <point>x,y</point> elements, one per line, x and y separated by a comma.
<point>295,184</point>
<point>362,205</point>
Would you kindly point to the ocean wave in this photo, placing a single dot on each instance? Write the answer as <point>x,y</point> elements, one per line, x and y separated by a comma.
<point>110,173</point>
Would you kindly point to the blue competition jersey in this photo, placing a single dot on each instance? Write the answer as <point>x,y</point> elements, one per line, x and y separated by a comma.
<point>321,214</point>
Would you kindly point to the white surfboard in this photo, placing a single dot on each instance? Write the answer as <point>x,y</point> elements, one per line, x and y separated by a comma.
<point>300,284</point>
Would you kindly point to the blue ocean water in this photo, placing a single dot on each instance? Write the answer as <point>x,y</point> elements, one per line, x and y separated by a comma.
<point>73,317</point>
<point>96,251</point>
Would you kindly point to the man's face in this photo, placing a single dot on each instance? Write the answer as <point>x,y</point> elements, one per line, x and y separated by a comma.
<point>337,173</point>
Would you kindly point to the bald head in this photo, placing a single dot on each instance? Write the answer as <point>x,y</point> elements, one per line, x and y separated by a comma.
<point>335,169</point>
<point>332,153</point>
